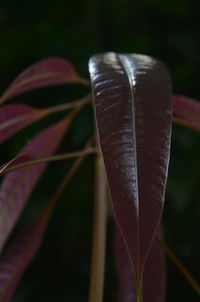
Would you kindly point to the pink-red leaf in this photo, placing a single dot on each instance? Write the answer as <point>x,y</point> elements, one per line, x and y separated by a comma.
<point>15,161</point>
<point>15,117</point>
<point>25,245</point>
<point>19,254</point>
<point>133,106</point>
<point>187,111</point>
<point>18,185</point>
<point>48,72</point>
<point>154,273</point>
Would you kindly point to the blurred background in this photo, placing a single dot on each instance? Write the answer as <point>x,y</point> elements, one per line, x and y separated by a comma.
<point>75,30</point>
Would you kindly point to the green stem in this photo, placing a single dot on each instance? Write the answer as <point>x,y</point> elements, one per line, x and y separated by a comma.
<point>99,236</point>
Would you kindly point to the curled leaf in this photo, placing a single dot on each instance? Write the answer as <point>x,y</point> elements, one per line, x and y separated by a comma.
<point>133,107</point>
<point>48,72</point>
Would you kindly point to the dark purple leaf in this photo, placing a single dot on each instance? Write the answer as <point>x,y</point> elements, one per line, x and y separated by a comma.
<point>15,161</point>
<point>133,105</point>
<point>14,117</point>
<point>153,278</point>
<point>18,185</point>
<point>187,112</point>
<point>48,72</point>
<point>124,270</point>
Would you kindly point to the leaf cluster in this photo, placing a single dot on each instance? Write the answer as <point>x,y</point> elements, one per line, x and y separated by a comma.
<point>132,100</point>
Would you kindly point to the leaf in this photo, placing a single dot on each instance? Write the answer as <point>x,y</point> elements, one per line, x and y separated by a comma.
<point>187,112</point>
<point>18,185</point>
<point>14,117</point>
<point>154,273</point>
<point>19,254</point>
<point>133,107</point>
<point>14,162</point>
<point>124,271</point>
<point>48,72</point>
<point>25,245</point>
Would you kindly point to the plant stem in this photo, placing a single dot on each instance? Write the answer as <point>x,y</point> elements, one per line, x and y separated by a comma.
<point>55,197</point>
<point>86,151</point>
<point>84,81</point>
<point>180,266</point>
<point>99,235</point>
<point>139,295</point>
<point>74,104</point>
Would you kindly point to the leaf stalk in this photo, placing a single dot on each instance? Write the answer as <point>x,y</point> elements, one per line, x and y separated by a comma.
<point>99,235</point>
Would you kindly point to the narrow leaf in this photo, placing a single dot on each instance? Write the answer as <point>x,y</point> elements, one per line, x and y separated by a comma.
<point>18,256</point>
<point>154,273</point>
<point>25,245</point>
<point>187,112</point>
<point>14,117</point>
<point>133,106</point>
<point>18,185</point>
<point>48,72</point>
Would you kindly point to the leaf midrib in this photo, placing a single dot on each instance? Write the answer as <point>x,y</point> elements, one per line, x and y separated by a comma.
<point>131,78</point>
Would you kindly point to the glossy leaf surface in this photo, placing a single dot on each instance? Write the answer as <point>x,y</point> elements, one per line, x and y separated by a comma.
<point>48,72</point>
<point>187,112</point>
<point>154,273</point>
<point>133,106</point>
<point>18,185</point>
<point>16,116</point>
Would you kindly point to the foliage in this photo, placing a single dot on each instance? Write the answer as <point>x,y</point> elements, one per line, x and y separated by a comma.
<point>133,110</point>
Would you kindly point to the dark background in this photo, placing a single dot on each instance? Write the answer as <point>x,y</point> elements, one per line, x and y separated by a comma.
<point>75,30</point>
